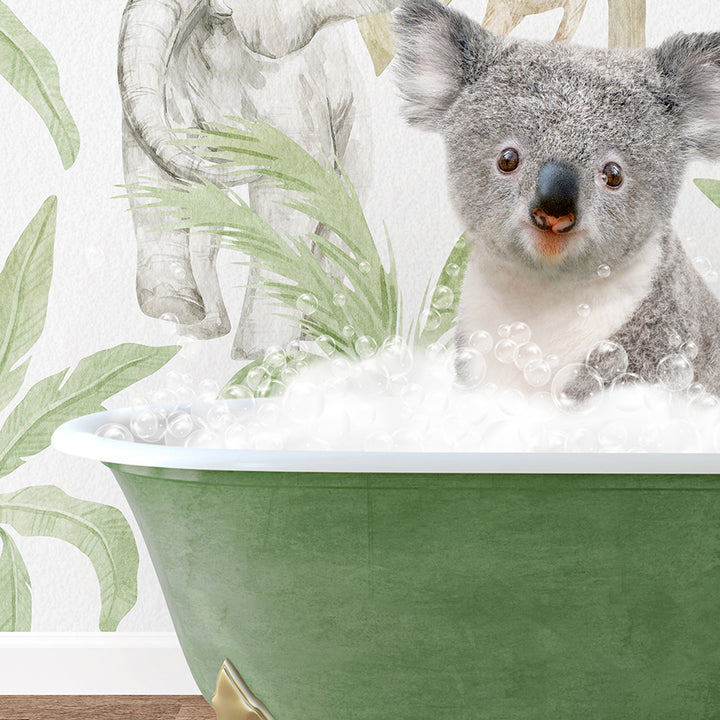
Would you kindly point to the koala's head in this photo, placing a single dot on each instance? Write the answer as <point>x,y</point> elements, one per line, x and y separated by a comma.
<point>560,158</point>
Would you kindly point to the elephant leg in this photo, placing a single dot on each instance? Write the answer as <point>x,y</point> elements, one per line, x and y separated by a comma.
<point>260,324</point>
<point>203,254</point>
<point>165,284</point>
<point>572,14</point>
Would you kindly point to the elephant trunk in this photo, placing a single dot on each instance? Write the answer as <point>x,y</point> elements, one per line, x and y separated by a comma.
<point>149,33</point>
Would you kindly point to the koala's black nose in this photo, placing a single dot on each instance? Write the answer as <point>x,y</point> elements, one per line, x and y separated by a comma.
<point>556,196</point>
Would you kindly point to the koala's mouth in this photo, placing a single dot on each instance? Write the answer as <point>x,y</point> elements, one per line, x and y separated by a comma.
<point>552,244</point>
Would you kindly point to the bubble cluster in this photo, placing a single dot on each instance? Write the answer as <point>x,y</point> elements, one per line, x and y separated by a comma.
<point>437,399</point>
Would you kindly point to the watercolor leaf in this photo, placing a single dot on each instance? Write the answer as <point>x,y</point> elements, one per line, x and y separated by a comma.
<point>28,66</point>
<point>24,288</point>
<point>66,395</point>
<point>99,531</point>
<point>439,315</point>
<point>15,592</point>
<point>709,188</point>
<point>377,34</point>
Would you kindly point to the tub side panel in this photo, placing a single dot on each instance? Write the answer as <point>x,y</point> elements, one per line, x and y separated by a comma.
<point>456,602</point>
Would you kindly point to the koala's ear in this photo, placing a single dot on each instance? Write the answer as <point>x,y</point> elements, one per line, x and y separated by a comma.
<point>439,52</point>
<point>690,64</point>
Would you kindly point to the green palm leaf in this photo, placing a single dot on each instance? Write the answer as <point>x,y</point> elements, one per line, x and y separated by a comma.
<point>24,288</point>
<point>28,66</point>
<point>66,395</point>
<point>99,531</point>
<point>15,593</point>
<point>451,278</point>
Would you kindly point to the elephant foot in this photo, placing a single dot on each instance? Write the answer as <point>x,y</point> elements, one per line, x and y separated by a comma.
<point>183,305</point>
<point>213,325</point>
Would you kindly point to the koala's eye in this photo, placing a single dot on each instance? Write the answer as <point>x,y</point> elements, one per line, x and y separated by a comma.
<point>509,160</point>
<point>612,175</point>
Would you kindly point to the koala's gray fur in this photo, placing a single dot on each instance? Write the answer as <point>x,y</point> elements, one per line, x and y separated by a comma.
<point>650,111</point>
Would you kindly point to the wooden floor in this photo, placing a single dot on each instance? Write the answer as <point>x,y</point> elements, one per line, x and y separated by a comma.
<point>105,707</point>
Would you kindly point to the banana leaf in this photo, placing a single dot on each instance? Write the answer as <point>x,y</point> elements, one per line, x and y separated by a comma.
<point>99,531</point>
<point>28,66</point>
<point>15,593</point>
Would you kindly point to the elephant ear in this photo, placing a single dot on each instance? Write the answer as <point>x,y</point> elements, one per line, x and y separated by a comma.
<point>440,52</point>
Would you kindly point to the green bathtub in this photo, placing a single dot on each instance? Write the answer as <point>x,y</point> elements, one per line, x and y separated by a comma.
<point>349,586</point>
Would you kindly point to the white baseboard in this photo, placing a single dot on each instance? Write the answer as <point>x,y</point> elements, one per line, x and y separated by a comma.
<point>93,664</point>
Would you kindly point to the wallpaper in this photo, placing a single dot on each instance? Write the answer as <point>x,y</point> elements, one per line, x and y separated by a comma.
<point>189,185</point>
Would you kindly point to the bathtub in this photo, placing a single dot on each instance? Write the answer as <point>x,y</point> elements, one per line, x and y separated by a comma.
<point>361,586</point>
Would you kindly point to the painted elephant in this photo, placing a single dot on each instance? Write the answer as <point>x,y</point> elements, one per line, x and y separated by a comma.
<point>185,63</point>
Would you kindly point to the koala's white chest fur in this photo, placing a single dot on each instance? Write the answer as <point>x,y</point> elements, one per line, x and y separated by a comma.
<point>498,293</point>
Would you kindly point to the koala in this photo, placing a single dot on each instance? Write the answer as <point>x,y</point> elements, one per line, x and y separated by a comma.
<point>565,164</point>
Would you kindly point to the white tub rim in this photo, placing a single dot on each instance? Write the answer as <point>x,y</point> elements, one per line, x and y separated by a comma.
<point>77,437</point>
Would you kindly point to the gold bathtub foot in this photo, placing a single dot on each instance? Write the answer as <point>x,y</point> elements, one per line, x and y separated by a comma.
<point>233,700</point>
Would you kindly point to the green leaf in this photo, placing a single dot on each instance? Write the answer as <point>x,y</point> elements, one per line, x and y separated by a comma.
<point>15,593</point>
<point>451,277</point>
<point>24,288</point>
<point>710,188</point>
<point>63,396</point>
<point>28,66</point>
<point>99,531</point>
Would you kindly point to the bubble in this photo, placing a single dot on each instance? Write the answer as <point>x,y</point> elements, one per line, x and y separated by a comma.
<point>185,394</point>
<point>689,349</point>
<point>339,299</point>
<point>115,431</point>
<point>348,331</point>
<point>505,350</point>
<point>674,338</point>
<point>202,438</point>
<point>303,402</point>
<point>608,359</point>
<point>537,373</point>
<point>702,265</point>
<point>412,396</point>
<point>675,372</point>
<point>527,352</point>
<point>307,303</point>
<point>146,425</point>
<point>712,277</point>
<point>430,319</point>
<point>470,367</point>
<point>461,243</point>
<point>208,389</point>
<point>371,378</point>
<point>583,310</point>
<point>365,267</point>
<point>164,401</point>
<point>435,352</point>
<point>294,350</point>
<point>237,437</point>
<point>695,389</point>
<point>327,344</point>
<point>218,416</point>
<point>171,319</point>
<point>604,271</point>
<point>520,333</point>
<point>482,341</point>
<point>553,361</point>
<point>452,270</point>
<point>581,440</point>
<point>258,379</point>
<point>503,330</point>
<point>576,388</point>
<point>365,346</point>
<point>704,401</point>
<point>274,357</point>
<point>442,298</point>
<point>180,424</point>
<point>396,355</point>
<point>340,369</point>
<point>239,392</point>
